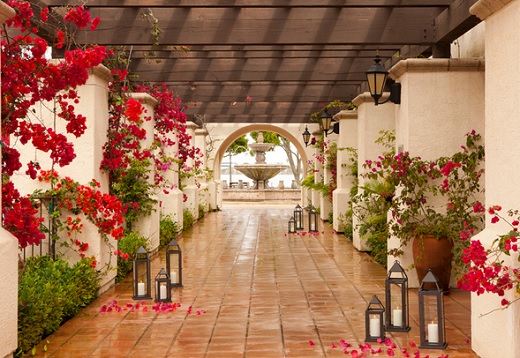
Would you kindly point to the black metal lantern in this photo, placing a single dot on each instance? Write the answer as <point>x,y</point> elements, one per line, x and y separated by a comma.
<point>292,225</point>
<point>396,300</point>
<point>374,320</point>
<point>306,136</point>
<point>376,77</point>
<point>163,291</point>
<point>313,219</point>
<point>298,217</point>
<point>174,263</point>
<point>141,275</point>
<point>431,314</point>
<point>326,123</point>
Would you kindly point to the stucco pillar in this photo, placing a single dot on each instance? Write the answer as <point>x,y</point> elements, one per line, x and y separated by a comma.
<point>200,142</point>
<point>372,120</point>
<point>8,266</point>
<point>148,226</point>
<point>441,101</point>
<point>190,189</point>
<point>318,174</point>
<point>495,334</point>
<point>347,138</point>
<point>325,200</point>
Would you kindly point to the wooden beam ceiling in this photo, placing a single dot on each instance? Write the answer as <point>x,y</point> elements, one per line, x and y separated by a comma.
<point>289,56</point>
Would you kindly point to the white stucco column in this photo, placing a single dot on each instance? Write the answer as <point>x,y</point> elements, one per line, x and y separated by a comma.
<point>441,101</point>
<point>347,138</point>
<point>190,187</point>
<point>318,174</point>
<point>496,334</point>
<point>372,120</point>
<point>204,195</point>
<point>8,266</point>
<point>148,226</point>
<point>325,201</point>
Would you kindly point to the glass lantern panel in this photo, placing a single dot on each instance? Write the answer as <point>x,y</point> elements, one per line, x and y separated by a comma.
<point>142,278</point>
<point>374,325</point>
<point>396,311</point>
<point>431,319</point>
<point>174,268</point>
<point>162,290</point>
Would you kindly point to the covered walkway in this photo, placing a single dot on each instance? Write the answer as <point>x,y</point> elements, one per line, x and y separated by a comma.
<point>251,290</point>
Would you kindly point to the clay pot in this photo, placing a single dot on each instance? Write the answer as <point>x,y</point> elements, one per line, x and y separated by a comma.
<point>429,252</point>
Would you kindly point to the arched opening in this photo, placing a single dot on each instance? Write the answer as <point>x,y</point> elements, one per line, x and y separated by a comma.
<point>252,128</point>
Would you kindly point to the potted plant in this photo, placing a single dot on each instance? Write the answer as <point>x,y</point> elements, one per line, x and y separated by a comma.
<point>436,204</point>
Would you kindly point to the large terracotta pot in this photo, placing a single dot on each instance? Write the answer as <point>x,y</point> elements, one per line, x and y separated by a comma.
<point>435,254</point>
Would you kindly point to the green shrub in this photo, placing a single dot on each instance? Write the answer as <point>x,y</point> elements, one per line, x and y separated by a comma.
<point>168,230</point>
<point>128,245</point>
<point>188,220</point>
<point>202,211</point>
<point>49,293</point>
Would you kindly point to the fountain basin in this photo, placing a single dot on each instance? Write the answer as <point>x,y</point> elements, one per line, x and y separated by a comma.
<point>260,173</point>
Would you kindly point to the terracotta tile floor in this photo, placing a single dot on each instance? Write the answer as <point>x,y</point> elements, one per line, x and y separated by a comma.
<point>254,292</point>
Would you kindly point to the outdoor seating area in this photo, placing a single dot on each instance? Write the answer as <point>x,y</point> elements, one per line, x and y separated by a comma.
<point>252,290</point>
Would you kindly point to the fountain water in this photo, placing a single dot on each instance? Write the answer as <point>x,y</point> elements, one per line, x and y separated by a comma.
<point>260,172</point>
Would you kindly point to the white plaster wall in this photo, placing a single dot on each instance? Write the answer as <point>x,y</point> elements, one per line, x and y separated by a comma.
<point>496,334</point>
<point>200,142</point>
<point>325,203</point>
<point>371,120</point>
<point>347,138</point>
<point>471,44</point>
<point>441,101</point>
<point>190,190</point>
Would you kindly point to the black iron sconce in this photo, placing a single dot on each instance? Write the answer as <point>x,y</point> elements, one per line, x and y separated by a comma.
<point>141,275</point>
<point>376,77</point>
<point>326,122</point>
<point>374,320</point>
<point>306,136</point>
<point>431,314</point>
<point>396,300</point>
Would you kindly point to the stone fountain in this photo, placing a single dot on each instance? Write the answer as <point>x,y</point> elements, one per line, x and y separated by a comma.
<point>260,172</point>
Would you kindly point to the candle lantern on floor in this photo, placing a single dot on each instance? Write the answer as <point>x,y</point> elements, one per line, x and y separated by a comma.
<point>163,291</point>
<point>431,313</point>
<point>292,225</point>
<point>174,263</point>
<point>313,219</point>
<point>396,300</point>
<point>374,321</point>
<point>298,217</point>
<point>141,275</point>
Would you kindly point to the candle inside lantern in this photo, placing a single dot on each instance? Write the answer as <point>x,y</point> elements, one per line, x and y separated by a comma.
<point>375,328</point>
<point>140,289</point>
<point>173,277</point>
<point>313,227</point>
<point>162,292</point>
<point>433,332</point>
<point>397,316</point>
<point>291,227</point>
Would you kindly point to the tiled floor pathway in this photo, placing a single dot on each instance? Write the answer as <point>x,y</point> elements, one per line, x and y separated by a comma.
<point>254,292</point>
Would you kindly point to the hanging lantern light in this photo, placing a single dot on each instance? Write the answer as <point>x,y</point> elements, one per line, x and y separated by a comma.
<point>374,320</point>
<point>163,291</point>
<point>292,225</point>
<point>396,299</point>
<point>431,314</point>
<point>313,219</point>
<point>141,275</point>
<point>306,136</point>
<point>298,217</point>
<point>174,263</point>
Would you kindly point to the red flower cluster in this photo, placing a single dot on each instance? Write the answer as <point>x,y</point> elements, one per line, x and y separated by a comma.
<point>488,271</point>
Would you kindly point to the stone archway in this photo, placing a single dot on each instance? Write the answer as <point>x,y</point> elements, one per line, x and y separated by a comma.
<point>254,128</point>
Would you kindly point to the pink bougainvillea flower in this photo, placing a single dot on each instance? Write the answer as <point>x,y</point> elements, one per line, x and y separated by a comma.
<point>311,343</point>
<point>333,346</point>
<point>390,352</point>
<point>354,353</point>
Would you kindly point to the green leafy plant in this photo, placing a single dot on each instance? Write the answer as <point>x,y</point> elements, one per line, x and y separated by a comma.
<point>49,293</point>
<point>188,220</point>
<point>437,197</point>
<point>168,230</point>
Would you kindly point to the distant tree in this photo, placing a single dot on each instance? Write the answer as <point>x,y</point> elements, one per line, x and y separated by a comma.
<point>237,147</point>
<point>294,158</point>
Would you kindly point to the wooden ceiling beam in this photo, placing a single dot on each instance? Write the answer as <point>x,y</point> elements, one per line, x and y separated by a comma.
<point>256,3</point>
<point>266,26</point>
